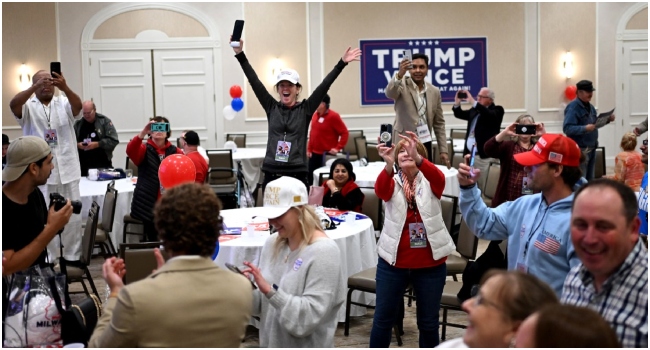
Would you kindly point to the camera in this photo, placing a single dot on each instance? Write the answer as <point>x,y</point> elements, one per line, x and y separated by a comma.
<point>59,201</point>
<point>462,94</point>
<point>160,127</point>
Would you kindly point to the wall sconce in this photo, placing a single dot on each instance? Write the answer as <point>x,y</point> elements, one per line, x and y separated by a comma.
<point>24,77</point>
<point>568,65</point>
<point>276,67</point>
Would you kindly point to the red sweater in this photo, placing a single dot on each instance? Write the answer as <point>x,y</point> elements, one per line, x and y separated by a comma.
<point>407,257</point>
<point>200,164</point>
<point>325,136</point>
<point>136,150</point>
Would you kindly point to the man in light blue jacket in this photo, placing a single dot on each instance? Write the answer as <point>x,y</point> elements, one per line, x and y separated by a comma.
<point>536,226</point>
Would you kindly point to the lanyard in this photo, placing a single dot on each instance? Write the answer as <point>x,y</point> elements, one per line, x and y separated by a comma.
<point>47,116</point>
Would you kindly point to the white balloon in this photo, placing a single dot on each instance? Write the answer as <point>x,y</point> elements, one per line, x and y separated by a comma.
<point>230,145</point>
<point>229,113</point>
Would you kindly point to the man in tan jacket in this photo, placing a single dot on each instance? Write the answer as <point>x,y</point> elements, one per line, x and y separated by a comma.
<point>418,105</point>
<point>189,301</point>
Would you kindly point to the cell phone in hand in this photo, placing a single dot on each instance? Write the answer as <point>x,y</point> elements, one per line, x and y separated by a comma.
<point>160,127</point>
<point>236,33</point>
<point>525,129</point>
<point>55,67</point>
<point>471,161</point>
<point>236,269</point>
<point>645,142</point>
<point>462,94</point>
<point>386,134</point>
<point>409,56</point>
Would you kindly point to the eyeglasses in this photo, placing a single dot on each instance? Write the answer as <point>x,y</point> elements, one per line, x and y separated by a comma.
<point>480,300</point>
<point>481,96</point>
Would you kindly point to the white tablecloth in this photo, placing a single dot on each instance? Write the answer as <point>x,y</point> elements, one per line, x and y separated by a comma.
<point>356,241</point>
<point>96,190</point>
<point>251,163</point>
<point>366,176</point>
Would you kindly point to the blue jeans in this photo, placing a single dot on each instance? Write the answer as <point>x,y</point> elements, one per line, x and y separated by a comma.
<point>589,165</point>
<point>391,283</point>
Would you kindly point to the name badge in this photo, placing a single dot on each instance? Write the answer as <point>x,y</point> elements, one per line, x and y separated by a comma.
<point>321,120</point>
<point>525,186</point>
<point>423,133</point>
<point>282,151</point>
<point>51,137</point>
<point>417,235</point>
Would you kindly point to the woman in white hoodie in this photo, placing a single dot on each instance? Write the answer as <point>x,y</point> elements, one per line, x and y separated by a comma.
<point>414,242</point>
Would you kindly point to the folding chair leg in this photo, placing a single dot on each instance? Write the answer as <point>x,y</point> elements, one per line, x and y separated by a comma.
<point>444,324</point>
<point>398,336</point>
<point>348,304</point>
<point>111,247</point>
<point>92,284</point>
<point>85,288</point>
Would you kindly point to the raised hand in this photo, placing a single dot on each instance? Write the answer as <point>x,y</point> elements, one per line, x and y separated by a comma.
<point>351,55</point>
<point>403,67</point>
<point>113,271</point>
<point>59,81</point>
<point>241,46</point>
<point>411,146</point>
<point>541,130</point>
<point>465,178</point>
<point>387,154</point>
<point>262,284</point>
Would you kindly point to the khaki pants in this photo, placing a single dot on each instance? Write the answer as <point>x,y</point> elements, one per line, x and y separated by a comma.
<point>483,164</point>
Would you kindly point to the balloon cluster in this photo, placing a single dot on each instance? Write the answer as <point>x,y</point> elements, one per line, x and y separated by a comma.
<point>175,170</point>
<point>236,105</point>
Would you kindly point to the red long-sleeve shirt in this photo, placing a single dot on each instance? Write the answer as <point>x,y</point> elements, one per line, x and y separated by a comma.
<point>136,150</point>
<point>325,136</point>
<point>407,257</point>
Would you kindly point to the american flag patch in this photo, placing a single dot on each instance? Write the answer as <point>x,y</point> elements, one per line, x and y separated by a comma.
<point>547,244</point>
<point>554,157</point>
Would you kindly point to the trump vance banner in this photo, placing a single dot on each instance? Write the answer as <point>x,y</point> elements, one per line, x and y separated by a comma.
<point>454,64</point>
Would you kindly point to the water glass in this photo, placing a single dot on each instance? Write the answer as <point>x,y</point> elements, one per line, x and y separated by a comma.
<point>129,173</point>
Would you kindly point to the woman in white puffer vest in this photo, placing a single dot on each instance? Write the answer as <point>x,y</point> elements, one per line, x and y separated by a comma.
<point>414,242</point>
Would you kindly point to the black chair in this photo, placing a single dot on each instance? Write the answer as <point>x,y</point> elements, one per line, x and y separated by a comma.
<point>373,153</point>
<point>132,166</point>
<point>372,207</point>
<point>466,246</point>
<point>350,148</point>
<point>222,177</point>
<point>77,271</point>
<point>322,177</point>
<point>139,260</point>
<point>103,239</point>
<point>600,166</point>
<point>360,143</point>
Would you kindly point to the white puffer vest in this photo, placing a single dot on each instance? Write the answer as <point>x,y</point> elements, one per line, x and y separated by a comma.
<point>395,217</point>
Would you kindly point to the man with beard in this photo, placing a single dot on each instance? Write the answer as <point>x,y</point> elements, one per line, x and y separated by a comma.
<point>536,226</point>
<point>418,105</point>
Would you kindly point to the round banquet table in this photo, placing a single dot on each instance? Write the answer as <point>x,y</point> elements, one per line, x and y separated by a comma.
<point>356,241</point>
<point>96,190</point>
<point>367,175</point>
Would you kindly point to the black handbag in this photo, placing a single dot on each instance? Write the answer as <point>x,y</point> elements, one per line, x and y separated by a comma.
<point>77,321</point>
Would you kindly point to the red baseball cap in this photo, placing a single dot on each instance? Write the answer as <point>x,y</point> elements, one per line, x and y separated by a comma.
<point>553,148</point>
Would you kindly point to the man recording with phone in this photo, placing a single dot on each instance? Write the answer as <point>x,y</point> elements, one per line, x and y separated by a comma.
<point>28,226</point>
<point>96,139</point>
<point>418,105</point>
<point>483,121</point>
<point>40,113</point>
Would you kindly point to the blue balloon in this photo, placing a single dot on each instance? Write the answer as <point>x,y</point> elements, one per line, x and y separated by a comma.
<point>237,104</point>
<point>216,251</point>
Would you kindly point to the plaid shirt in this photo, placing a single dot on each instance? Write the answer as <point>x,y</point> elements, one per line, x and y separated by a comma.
<point>622,299</point>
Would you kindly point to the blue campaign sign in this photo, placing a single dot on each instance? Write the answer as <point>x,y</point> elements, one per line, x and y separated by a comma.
<point>454,64</point>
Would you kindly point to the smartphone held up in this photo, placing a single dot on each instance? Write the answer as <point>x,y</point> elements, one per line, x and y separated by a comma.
<point>525,129</point>
<point>236,33</point>
<point>471,161</point>
<point>386,134</point>
<point>55,67</point>
<point>408,54</point>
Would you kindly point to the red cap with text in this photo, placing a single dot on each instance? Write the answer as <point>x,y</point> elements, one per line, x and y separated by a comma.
<point>553,148</point>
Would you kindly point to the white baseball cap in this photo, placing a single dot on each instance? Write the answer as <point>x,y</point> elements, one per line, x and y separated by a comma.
<point>283,194</point>
<point>289,75</point>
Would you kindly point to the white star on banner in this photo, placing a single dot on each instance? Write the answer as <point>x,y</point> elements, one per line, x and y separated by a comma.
<point>417,42</point>
<point>410,43</point>
<point>430,42</point>
<point>437,42</point>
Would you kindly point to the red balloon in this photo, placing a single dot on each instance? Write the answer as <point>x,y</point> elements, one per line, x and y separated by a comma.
<point>570,92</point>
<point>235,91</point>
<point>175,170</point>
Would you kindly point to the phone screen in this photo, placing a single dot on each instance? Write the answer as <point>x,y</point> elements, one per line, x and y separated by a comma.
<point>236,269</point>
<point>409,56</point>
<point>462,94</point>
<point>525,129</point>
<point>471,161</point>
<point>386,134</point>
<point>160,127</point>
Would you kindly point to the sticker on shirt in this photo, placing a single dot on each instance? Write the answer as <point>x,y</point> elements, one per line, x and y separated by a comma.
<point>523,229</point>
<point>282,151</point>
<point>548,243</point>
<point>51,137</point>
<point>525,186</point>
<point>297,264</point>
<point>471,141</point>
<point>423,133</point>
<point>93,135</point>
<point>417,235</point>
<point>522,267</point>
<point>321,120</point>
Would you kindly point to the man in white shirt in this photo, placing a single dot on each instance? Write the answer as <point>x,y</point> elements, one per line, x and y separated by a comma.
<point>46,114</point>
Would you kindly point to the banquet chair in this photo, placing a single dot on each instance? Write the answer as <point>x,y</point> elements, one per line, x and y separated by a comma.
<point>448,205</point>
<point>222,177</point>
<point>600,167</point>
<point>350,148</point>
<point>258,195</point>
<point>132,166</point>
<point>139,260</point>
<point>322,178</point>
<point>449,301</point>
<point>466,246</point>
<point>373,153</point>
<point>491,182</point>
<point>458,134</point>
<point>238,139</point>
<point>360,143</point>
<point>372,208</point>
<point>103,239</point>
<point>364,281</point>
<point>434,153</point>
<point>77,271</point>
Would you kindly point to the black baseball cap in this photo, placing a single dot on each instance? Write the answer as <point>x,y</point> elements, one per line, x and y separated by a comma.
<point>192,138</point>
<point>5,139</point>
